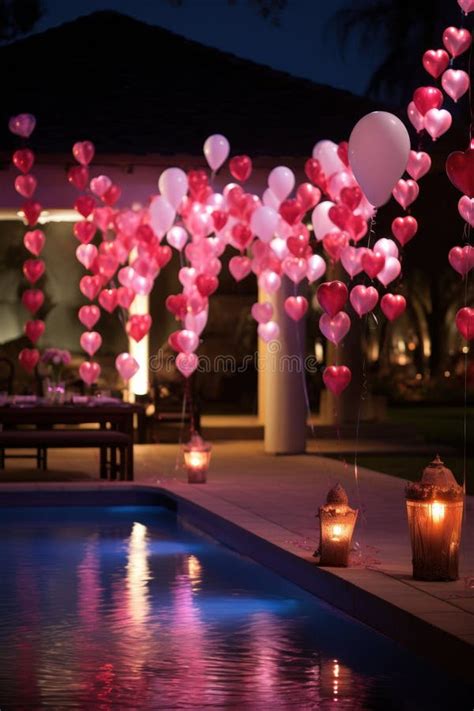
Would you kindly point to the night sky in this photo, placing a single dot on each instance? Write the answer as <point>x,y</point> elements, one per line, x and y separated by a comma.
<point>304,44</point>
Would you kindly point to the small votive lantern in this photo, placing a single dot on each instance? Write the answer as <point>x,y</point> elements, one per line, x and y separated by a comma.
<point>197,457</point>
<point>435,508</point>
<point>337,522</point>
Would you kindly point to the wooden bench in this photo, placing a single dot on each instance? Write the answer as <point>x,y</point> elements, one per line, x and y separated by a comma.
<point>108,441</point>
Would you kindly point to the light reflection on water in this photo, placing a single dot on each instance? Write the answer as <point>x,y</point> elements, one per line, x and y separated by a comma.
<point>124,609</point>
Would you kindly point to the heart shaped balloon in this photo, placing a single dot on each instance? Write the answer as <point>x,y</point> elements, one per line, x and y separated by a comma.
<point>435,61</point>
<point>34,330</point>
<point>462,259</point>
<point>100,185</point>
<point>426,98</point>
<point>78,176</point>
<point>455,83</point>
<point>296,307</point>
<point>332,296</point>
<point>269,281</point>
<point>416,119</point>
<point>22,125</point>
<point>372,262</point>
<point>460,170</point>
<point>138,326</point>
<point>126,366</point>
<point>23,159</point>
<point>240,267</point>
<point>393,305</point>
<point>89,371</point>
<point>187,340</point>
<point>419,164</point>
<point>262,312</point>
<point>437,122</point>
<point>351,260</point>
<point>108,299</point>
<point>206,284</point>
<point>336,378</point>
<point>29,358</point>
<point>177,304</point>
<point>86,254</point>
<point>34,242</point>
<point>33,269</point>
<point>90,286</point>
<point>26,185</point>
<point>187,363</point>
<point>404,229</point>
<point>84,231</point>
<point>295,268</point>
<point>125,297</point>
<point>456,41</point>
<point>269,331</point>
<point>335,327</point>
<point>89,315</point>
<point>83,152</point>
<point>465,322</point>
<point>32,299</point>
<point>363,299</point>
<point>90,342</point>
<point>390,271</point>
<point>405,192</point>
<point>466,209</point>
<point>240,167</point>
<point>32,211</point>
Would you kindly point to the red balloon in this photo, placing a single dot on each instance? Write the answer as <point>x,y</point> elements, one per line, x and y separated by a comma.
<point>23,160</point>
<point>78,176</point>
<point>112,195</point>
<point>456,40</point>
<point>340,215</point>
<point>32,211</point>
<point>28,358</point>
<point>343,152</point>
<point>435,62</point>
<point>83,152</point>
<point>163,255</point>
<point>308,196</point>
<point>372,262</point>
<point>32,299</point>
<point>291,211</point>
<point>173,341</point>
<point>332,295</point>
<point>426,98</point>
<point>219,218</point>
<point>460,170</point>
<point>242,235</point>
<point>357,227</point>
<point>125,296</point>
<point>26,185</point>
<point>296,307</point>
<point>84,231</point>
<point>138,326</point>
<point>334,243</point>
<point>462,259</point>
<point>351,197</point>
<point>297,244</point>
<point>336,378</point>
<point>240,167</point>
<point>33,269</point>
<point>34,330</point>
<point>206,284</point>
<point>177,304</point>
<point>84,205</point>
<point>313,171</point>
<point>393,305</point>
<point>465,322</point>
<point>404,229</point>
<point>108,299</point>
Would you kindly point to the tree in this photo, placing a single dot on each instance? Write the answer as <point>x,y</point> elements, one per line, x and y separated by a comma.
<point>18,17</point>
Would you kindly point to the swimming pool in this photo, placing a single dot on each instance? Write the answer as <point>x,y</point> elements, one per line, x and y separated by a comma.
<point>128,608</point>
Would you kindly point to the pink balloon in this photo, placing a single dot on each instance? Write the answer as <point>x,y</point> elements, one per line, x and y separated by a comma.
<point>419,164</point>
<point>316,267</point>
<point>387,246</point>
<point>379,146</point>
<point>173,185</point>
<point>281,182</point>
<point>405,192</point>
<point>465,322</point>
<point>462,259</point>
<point>466,209</point>
<point>270,200</point>
<point>264,222</point>
<point>280,248</point>
<point>187,363</point>
<point>455,83</point>
<point>187,277</point>
<point>34,241</point>
<point>196,322</point>
<point>416,118</point>
<point>295,268</point>
<point>351,260</point>
<point>142,284</point>
<point>240,267</point>
<point>91,341</point>
<point>437,122</point>
<point>89,371</point>
<point>90,286</point>
<point>262,312</point>
<point>162,215</point>
<point>100,185</point>
<point>26,185</point>
<point>86,254</point>
<point>126,276</point>
<point>466,6</point>
<point>343,179</point>
<point>126,365</point>
<point>322,225</point>
<point>83,152</point>
<point>390,271</point>
<point>334,328</point>
<point>187,340</point>
<point>216,149</point>
<point>336,378</point>
<point>363,299</point>
<point>177,237</point>
<point>89,315</point>
<point>128,221</point>
<point>296,307</point>
<point>269,331</point>
<point>269,281</point>
<point>22,125</point>
<point>393,305</point>
<point>327,154</point>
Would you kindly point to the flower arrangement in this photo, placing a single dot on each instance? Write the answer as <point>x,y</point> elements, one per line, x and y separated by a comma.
<point>56,359</point>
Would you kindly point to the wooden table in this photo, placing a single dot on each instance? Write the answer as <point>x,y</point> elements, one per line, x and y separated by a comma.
<point>116,416</point>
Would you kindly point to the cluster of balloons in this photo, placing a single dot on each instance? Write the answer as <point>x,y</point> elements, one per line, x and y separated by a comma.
<point>34,240</point>
<point>426,114</point>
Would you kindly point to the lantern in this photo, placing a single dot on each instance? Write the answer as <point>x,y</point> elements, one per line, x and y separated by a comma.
<point>337,521</point>
<point>197,457</point>
<point>434,508</point>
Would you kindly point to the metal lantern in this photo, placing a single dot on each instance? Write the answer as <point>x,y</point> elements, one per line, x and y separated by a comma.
<point>197,457</point>
<point>434,508</point>
<point>337,522</point>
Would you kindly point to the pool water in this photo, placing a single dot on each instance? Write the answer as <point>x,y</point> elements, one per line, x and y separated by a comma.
<point>128,608</point>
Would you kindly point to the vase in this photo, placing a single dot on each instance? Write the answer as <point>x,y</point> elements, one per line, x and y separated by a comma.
<point>54,391</point>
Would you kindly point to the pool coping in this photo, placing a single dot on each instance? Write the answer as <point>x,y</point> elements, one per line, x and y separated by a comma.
<point>427,625</point>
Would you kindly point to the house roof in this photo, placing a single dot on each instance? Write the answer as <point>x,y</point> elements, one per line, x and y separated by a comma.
<point>135,89</point>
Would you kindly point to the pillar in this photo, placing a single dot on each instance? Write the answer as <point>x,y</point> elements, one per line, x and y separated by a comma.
<point>284,398</point>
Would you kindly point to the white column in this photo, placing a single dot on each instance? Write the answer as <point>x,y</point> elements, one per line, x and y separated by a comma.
<point>285,407</point>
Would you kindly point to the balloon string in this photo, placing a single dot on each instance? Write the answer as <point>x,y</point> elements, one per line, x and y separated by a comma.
<point>179,452</point>
<point>303,373</point>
